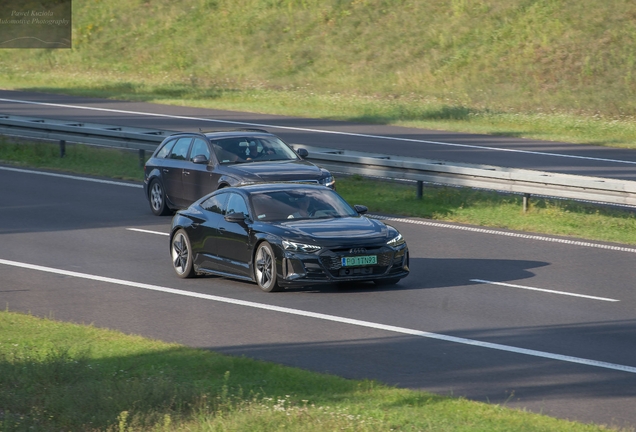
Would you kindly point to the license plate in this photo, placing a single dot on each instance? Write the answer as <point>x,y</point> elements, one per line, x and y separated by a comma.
<point>359,260</point>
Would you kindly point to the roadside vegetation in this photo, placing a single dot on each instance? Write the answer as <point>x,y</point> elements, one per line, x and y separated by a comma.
<point>61,376</point>
<point>560,70</point>
<point>462,205</point>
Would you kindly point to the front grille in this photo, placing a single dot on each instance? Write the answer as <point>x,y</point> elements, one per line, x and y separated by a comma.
<point>332,261</point>
<point>303,181</point>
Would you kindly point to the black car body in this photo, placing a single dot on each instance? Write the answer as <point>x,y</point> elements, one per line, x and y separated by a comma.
<point>186,166</point>
<point>257,233</point>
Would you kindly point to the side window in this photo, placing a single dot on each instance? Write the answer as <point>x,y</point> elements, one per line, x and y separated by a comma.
<point>215,204</point>
<point>236,204</point>
<point>180,149</point>
<point>165,150</point>
<point>200,147</point>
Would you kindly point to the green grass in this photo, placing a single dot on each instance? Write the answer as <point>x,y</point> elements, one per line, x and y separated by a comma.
<point>80,159</point>
<point>493,209</point>
<point>560,70</point>
<point>60,376</point>
<point>551,69</point>
<point>463,205</point>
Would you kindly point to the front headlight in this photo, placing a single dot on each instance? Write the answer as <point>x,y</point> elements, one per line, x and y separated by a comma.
<point>328,181</point>
<point>399,240</point>
<point>300,247</point>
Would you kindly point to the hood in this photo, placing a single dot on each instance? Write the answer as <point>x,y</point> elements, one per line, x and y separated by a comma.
<point>335,231</point>
<point>279,170</point>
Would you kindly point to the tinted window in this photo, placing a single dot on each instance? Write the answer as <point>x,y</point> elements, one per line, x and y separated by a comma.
<point>236,204</point>
<point>252,149</point>
<point>215,204</point>
<point>180,149</point>
<point>165,150</point>
<point>300,204</point>
<point>200,147</point>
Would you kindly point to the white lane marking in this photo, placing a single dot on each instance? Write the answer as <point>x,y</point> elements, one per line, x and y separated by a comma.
<point>472,280</point>
<point>148,231</point>
<point>332,318</point>
<point>394,219</point>
<point>73,177</point>
<point>505,233</point>
<point>543,290</point>
<point>271,126</point>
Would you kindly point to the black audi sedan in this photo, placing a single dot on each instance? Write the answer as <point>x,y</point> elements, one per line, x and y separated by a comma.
<point>186,166</point>
<point>280,235</point>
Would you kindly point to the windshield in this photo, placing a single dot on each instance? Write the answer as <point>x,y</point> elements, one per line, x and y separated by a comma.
<point>300,204</point>
<point>252,149</point>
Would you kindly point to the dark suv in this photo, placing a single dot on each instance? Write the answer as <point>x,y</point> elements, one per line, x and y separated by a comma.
<point>187,166</point>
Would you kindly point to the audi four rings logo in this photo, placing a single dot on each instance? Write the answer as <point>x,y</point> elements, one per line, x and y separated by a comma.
<point>357,250</point>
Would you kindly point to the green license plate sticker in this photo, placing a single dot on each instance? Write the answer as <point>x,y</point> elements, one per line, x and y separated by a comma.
<point>359,260</point>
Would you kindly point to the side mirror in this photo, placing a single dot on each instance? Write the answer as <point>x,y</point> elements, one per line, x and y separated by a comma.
<point>302,152</point>
<point>235,217</point>
<point>361,209</point>
<point>200,159</point>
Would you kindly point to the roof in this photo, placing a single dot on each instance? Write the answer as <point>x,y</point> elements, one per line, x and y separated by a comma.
<point>226,134</point>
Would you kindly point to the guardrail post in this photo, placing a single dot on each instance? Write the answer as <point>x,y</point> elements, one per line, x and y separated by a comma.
<point>526,201</point>
<point>420,187</point>
<point>62,148</point>
<point>142,158</point>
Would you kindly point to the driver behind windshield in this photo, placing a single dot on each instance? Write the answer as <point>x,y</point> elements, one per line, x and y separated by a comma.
<point>303,208</point>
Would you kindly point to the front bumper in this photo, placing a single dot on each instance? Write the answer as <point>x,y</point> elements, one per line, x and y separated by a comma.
<point>325,266</point>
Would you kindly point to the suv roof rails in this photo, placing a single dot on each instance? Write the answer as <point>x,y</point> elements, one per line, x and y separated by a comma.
<point>202,131</point>
<point>251,130</point>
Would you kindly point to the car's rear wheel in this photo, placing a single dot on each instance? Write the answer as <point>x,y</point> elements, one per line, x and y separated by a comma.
<point>265,268</point>
<point>157,198</point>
<point>181,252</point>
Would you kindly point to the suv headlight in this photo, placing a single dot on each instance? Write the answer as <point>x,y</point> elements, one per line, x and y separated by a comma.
<point>328,181</point>
<point>399,240</point>
<point>300,247</point>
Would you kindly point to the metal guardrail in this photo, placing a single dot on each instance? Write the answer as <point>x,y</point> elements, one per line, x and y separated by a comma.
<point>80,132</point>
<point>527,182</point>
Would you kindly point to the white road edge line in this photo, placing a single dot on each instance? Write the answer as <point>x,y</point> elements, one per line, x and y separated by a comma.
<point>543,290</point>
<point>73,177</point>
<point>147,231</point>
<point>332,318</point>
<point>271,126</point>
<point>387,218</point>
<point>481,281</point>
<point>505,233</point>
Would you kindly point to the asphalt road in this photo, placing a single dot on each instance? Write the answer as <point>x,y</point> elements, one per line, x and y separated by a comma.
<point>439,145</point>
<point>526,321</point>
<point>92,252</point>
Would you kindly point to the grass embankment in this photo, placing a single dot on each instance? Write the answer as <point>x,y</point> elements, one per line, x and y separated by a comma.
<point>59,376</point>
<point>462,205</point>
<point>553,69</point>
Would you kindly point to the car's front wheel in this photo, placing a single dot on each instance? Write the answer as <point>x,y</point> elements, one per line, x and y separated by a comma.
<point>157,198</point>
<point>265,268</point>
<point>181,253</point>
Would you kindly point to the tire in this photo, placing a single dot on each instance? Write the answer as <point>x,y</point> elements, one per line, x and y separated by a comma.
<point>265,268</point>
<point>386,282</point>
<point>157,199</point>
<point>181,254</point>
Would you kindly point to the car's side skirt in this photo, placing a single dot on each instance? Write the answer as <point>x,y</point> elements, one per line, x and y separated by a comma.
<point>220,273</point>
